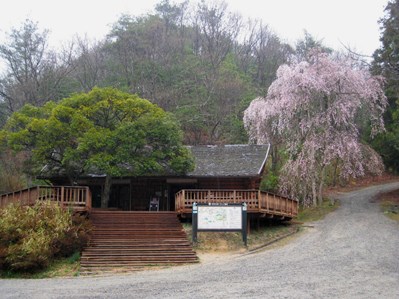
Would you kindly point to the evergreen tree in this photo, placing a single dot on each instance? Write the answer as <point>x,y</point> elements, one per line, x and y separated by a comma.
<point>386,63</point>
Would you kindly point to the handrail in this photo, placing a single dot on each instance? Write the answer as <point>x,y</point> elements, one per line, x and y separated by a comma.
<point>75,197</point>
<point>257,201</point>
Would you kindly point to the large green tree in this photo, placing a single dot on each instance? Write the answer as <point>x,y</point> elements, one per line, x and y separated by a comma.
<point>105,132</point>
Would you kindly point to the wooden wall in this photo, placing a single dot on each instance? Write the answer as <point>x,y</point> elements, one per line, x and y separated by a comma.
<point>229,183</point>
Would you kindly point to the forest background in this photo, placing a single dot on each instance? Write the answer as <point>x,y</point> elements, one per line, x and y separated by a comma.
<point>202,63</point>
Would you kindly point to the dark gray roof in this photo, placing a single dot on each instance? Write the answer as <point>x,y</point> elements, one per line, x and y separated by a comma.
<point>229,160</point>
<point>238,160</point>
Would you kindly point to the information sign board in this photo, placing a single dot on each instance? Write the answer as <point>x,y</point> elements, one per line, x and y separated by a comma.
<point>219,217</point>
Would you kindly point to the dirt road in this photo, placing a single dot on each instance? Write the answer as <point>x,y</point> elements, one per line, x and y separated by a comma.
<point>352,253</point>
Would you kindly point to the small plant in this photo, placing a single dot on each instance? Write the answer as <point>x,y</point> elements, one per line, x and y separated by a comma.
<point>74,258</point>
<point>390,209</point>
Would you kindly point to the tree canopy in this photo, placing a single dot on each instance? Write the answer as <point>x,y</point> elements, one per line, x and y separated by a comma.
<point>199,61</point>
<point>314,106</point>
<point>105,131</point>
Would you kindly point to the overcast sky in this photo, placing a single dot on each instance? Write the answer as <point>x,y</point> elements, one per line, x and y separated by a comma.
<point>353,23</point>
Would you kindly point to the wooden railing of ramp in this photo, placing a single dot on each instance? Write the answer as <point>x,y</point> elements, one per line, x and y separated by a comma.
<point>257,201</point>
<point>76,197</point>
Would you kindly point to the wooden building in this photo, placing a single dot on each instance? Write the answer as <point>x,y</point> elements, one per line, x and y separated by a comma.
<point>227,167</point>
<point>144,228</point>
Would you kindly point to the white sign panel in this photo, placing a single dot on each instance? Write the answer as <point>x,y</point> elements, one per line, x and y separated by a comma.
<point>219,217</point>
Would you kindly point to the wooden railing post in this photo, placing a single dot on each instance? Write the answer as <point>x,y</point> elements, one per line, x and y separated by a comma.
<point>37,194</point>
<point>88,199</point>
<point>62,196</point>
<point>177,200</point>
<point>184,199</point>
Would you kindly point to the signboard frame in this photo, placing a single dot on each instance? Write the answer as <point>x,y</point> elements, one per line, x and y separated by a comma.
<point>219,217</point>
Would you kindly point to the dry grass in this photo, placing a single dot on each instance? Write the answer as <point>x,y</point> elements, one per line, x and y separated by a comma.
<point>265,232</point>
<point>66,267</point>
<point>309,214</point>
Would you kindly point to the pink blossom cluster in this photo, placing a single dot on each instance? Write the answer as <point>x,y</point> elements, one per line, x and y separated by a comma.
<point>315,106</point>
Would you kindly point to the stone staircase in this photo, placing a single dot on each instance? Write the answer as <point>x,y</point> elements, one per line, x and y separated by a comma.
<point>132,241</point>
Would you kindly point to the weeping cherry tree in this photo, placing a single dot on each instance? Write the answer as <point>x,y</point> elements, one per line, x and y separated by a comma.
<point>316,108</point>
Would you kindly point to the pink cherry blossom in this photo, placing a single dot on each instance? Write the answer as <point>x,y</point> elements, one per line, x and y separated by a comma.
<point>316,108</point>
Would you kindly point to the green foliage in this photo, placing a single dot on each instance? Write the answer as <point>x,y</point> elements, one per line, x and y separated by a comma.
<point>304,46</point>
<point>235,132</point>
<point>385,63</point>
<point>269,182</point>
<point>75,257</point>
<point>30,237</point>
<point>104,131</point>
<point>387,145</point>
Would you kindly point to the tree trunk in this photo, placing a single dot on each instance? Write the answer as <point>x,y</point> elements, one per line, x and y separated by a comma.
<point>314,192</point>
<point>335,173</point>
<point>106,191</point>
<point>275,157</point>
<point>321,184</point>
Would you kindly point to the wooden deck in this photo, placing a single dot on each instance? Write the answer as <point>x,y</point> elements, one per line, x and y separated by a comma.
<point>263,203</point>
<point>76,197</point>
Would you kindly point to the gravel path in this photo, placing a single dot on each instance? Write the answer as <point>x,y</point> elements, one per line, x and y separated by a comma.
<point>352,253</point>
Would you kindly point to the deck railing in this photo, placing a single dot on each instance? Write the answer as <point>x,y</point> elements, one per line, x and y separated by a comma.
<point>257,201</point>
<point>75,197</point>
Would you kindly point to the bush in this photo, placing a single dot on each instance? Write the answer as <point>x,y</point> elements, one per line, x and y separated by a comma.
<point>269,182</point>
<point>31,236</point>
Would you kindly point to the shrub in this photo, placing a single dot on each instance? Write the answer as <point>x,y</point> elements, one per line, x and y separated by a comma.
<point>31,236</point>
<point>269,182</point>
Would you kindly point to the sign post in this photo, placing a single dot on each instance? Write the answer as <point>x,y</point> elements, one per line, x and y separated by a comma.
<point>195,222</point>
<point>219,218</point>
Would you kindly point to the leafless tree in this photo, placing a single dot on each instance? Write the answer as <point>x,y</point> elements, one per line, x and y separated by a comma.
<point>34,73</point>
<point>90,69</point>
